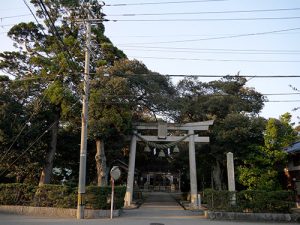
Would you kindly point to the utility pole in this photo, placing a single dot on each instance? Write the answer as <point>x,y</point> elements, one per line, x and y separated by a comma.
<point>84,121</point>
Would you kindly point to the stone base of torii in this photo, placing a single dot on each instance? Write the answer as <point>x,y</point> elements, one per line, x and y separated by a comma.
<point>162,129</point>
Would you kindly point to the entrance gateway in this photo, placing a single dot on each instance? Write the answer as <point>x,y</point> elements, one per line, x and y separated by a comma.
<point>162,136</point>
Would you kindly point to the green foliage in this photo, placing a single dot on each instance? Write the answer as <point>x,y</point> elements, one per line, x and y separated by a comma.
<point>262,166</point>
<point>217,200</point>
<point>99,197</point>
<point>259,177</point>
<point>250,201</point>
<point>109,112</point>
<point>234,108</point>
<point>16,194</point>
<point>55,196</point>
<point>60,196</point>
<point>266,201</point>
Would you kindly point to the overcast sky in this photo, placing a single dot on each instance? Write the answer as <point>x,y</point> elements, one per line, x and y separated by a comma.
<point>208,37</point>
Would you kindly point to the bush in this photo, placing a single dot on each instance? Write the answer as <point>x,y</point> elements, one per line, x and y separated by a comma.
<point>99,197</point>
<point>250,201</point>
<point>218,200</point>
<point>16,194</point>
<point>55,196</point>
<point>59,196</point>
<point>266,201</point>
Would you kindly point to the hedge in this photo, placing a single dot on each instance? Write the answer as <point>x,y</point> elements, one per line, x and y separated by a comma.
<point>250,201</point>
<point>16,194</point>
<point>99,197</point>
<point>60,196</point>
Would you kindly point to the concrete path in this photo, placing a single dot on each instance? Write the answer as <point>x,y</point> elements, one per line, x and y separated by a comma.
<point>160,205</point>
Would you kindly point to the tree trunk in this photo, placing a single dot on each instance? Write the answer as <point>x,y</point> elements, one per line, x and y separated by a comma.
<point>100,164</point>
<point>217,176</point>
<point>47,169</point>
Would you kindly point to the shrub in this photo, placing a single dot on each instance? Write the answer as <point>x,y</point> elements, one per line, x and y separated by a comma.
<point>250,201</point>
<point>217,200</point>
<point>99,197</point>
<point>266,201</point>
<point>16,194</point>
<point>55,196</point>
<point>59,196</point>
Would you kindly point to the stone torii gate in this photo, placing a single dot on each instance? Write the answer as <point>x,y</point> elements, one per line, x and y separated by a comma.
<point>162,129</point>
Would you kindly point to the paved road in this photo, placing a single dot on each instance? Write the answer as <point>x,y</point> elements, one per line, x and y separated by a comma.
<point>159,209</point>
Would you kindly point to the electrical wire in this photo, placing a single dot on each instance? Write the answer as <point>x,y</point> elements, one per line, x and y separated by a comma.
<point>187,75</point>
<point>32,144</point>
<point>285,101</point>
<point>55,31</point>
<point>205,12</point>
<point>162,3</point>
<point>65,49</point>
<point>31,12</point>
<point>204,19</point>
<point>218,60</point>
<point>211,52</point>
<point>38,104</point>
<point>186,35</point>
<point>215,38</point>
<point>220,76</point>
<point>15,16</point>
<point>221,49</point>
<point>246,76</point>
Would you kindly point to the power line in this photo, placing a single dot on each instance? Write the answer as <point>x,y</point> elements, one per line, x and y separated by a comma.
<point>205,12</point>
<point>15,16</point>
<point>31,12</point>
<point>186,75</point>
<point>216,38</point>
<point>221,49</point>
<point>32,144</point>
<point>7,25</point>
<point>214,52</point>
<point>39,103</point>
<point>287,101</point>
<point>205,19</point>
<point>186,35</point>
<point>10,9</point>
<point>270,94</point>
<point>219,60</point>
<point>217,76</point>
<point>163,3</point>
<point>54,30</point>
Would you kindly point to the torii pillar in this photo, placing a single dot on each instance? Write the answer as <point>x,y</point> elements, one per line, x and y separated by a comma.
<point>131,169</point>
<point>193,170</point>
<point>162,137</point>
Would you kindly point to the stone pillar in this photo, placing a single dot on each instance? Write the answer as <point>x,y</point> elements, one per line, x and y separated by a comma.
<point>193,172</point>
<point>230,176</point>
<point>131,169</point>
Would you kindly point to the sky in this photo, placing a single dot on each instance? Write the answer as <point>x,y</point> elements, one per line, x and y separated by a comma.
<point>204,37</point>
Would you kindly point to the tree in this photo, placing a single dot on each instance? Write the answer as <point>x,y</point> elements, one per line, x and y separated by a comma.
<point>234,109</point>
<point>151,94</point>
<point>130,93</point>
<point>263,166</point>
<point>14,112</point>
<point>109,116</point>
<point>51,57</point>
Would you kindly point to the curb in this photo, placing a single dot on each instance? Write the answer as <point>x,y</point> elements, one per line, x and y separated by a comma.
<point>278,217</point>
<point>56,212</point>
